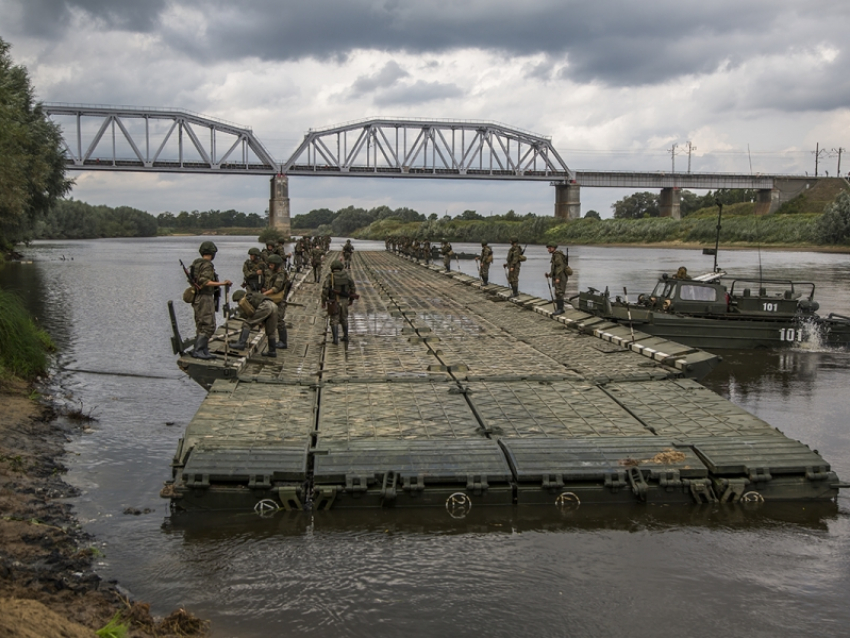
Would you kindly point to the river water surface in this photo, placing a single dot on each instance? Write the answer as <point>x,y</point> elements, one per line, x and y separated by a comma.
<point>641,571</point>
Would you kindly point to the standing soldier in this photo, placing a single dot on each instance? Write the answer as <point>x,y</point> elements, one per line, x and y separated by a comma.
<point>338,293</point>
<point>281,250</point>
<point>515,258</point>
<point>298,254</point>
<point>260,311</point>
<point>447,252</point>
<point>347,251</point>
<point>252,270</point>
<point>559,272</point>
<point>486,259</point>
<point>207,291</point>
<point>426,248</point>
<point>316,255</point>
<point>277,285</point>
<point>270,249</point>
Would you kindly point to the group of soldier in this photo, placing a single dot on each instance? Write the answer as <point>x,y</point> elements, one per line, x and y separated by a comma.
<point>266,285</point>
<point>559,271</point>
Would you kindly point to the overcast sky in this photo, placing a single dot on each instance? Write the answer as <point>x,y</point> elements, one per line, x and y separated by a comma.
<point>614,83</point>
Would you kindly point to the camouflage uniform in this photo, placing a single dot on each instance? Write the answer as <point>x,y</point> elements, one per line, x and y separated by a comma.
<point>485,260</point>
<point>316,262</point>
<point>254,263</point>
<point>338,287</point>
<point>559,271</point>
<point>204,305</point>
<point>426,248</point>
<point>277,281</point>
<point>446,252</point>
<point>265,314</point>
<point>515,259</point>
<point>347,251</point>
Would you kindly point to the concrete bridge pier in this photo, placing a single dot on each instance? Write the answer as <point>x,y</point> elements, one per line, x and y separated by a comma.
<point>764,200</point>
<point>279,204</point>
<point>568,201</point>
<point>670,203</point>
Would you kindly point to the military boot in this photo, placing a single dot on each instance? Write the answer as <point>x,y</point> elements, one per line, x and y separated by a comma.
<point>559,304</point>
<point>335,333</point>
<point>201,350</point>
<point>484,280</point>
<point>345,332</point>
<point>514,291</point>
<point>281,338</point>
<point>243,338</point>
<point>272,351</point>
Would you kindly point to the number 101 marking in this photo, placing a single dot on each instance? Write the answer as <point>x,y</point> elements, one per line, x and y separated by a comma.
<point>790,334</point>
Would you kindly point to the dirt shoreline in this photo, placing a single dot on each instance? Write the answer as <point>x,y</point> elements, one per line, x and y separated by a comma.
<point>48,586</point>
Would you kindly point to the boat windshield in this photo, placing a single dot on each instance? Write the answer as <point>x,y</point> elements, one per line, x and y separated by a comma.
<point>689,292</point>
<point>663,289</point>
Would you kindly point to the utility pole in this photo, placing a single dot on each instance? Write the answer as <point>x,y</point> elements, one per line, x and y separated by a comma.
<point>817,153</point>
<point>672,152</point>
<point>839,150</point>
<point>691,149</point>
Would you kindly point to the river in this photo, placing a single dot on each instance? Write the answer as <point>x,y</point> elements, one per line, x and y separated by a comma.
<point>772,570</point>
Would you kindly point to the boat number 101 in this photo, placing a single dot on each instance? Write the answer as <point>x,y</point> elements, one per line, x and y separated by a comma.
<point>770,307</point>
<point>790,334</point>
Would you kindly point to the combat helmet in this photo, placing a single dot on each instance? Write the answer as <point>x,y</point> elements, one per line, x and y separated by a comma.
<point>551,245</point>
<point>336,265</point>
<point>208,248</point>
<point>254,251</point>
<point>483,242</point>
<point>275,259</point>
<point>238,295</point>
<point>514,240</point>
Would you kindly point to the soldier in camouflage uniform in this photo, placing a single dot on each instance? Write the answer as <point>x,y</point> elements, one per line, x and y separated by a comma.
<point>337,294</point>
<point>264,313</point>
<point>347,252</point>
<point>515,258</point>
<point>277,282</point>
<point>252,270</point>
<point>270,249</point>
<point>447,252</point>
<point>484,260</point>
<point>316,255</point>
<point>206,284</point>
<point>426,248</point>
<point>559,271</point>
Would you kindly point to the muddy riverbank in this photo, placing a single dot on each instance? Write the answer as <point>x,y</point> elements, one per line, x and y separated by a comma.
<point>48,584</point>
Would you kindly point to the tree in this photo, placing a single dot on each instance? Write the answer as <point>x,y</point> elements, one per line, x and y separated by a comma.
<point>592,214</point>
<point>637,206</point>
<point>470,215</point>
<point>32,160</point>
<point>833,227</point>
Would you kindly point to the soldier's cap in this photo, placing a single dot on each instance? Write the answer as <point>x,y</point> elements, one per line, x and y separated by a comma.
<point>483,243</point>
<point>238,295</point>
<point>336,265</point>
<point>514,240</point>
<point>551,245</point>
<point>208,248</point>
<point>275,259</point>
<point>253,251</point>
<point>270,242</point>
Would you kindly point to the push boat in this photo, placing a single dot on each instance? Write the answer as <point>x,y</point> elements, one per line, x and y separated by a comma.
<point>704,312</point>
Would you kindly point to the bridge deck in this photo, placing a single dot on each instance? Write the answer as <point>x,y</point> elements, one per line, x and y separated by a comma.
<point>448,394</point>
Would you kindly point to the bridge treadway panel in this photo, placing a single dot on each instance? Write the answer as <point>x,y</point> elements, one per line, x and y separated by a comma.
<point>445,387</point>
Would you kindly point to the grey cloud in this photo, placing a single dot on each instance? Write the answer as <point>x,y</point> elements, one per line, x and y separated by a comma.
<point>50,18</point>
<point>418,93</point>
<point>390,74</point>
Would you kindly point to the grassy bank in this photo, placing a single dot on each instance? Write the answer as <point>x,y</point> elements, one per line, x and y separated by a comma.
<point>23,345</point>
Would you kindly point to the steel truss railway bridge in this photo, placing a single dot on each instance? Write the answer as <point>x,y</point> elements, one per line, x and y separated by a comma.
<point>118,138</point>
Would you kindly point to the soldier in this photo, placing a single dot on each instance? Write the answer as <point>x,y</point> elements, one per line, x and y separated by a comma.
<point>515,258</point>
<point>682,273</point>
<point>316,255</point>
<point>347,251</point>
<point>270,249</point>
<point>485,260</point>
<point>426,248</point>
<point>297,252</point>
<point>277,282</point>
<point>252,270</point>
<point>447,252</point>
<point>260,311</point>
<point>281,250</point>
<point>207,288</point>
<point>338,293</point>
<point>559,271</point>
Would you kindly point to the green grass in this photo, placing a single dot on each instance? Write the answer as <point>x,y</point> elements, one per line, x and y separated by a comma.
<point>23,345</point>
<point>114,628</point>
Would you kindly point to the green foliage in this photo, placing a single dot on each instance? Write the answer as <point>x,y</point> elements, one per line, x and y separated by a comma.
<point>492,229</point>
<point>314,218</point>
<point>71,219</point>
<point>272,234</point>
<point>114,628</point>
<point>23,346</point>
<point>592,214</point>
<point>210,220</point>
<point>637,206</point>
<point>691,202</point>
<point>32,160</point>
<point>833,227</point>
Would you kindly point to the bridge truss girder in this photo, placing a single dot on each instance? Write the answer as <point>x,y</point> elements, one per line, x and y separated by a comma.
<point>429,149</point>
<point>197,140</point>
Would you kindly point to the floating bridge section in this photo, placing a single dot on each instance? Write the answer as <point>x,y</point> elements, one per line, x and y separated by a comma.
<point>450,395</point>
